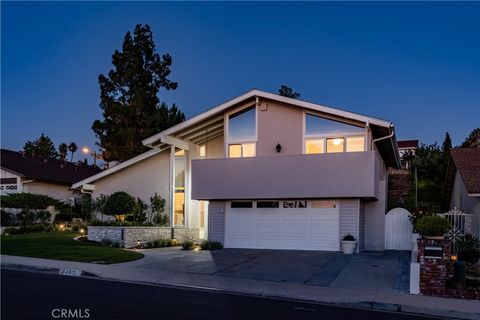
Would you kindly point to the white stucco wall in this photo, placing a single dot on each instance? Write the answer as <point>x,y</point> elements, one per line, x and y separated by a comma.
<point>141,179</point>
<point>7,188</point>
<point>57,191</point>
<point>462,201</point>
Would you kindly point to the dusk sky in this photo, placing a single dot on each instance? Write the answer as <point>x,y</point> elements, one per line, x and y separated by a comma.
<point>415,64</point>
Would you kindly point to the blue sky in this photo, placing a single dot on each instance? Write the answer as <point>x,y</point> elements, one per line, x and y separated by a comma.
<point>414,63</point>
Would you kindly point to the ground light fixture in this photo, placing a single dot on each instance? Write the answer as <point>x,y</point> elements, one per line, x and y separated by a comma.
<point>82,231</point>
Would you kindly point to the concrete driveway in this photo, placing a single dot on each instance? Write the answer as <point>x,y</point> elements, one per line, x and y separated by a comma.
<point>381,271</point>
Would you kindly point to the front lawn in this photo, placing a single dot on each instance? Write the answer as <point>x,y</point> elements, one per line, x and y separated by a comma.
<point>61,246</point>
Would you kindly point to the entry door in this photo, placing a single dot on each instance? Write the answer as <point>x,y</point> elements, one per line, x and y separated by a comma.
<point>285,225</point>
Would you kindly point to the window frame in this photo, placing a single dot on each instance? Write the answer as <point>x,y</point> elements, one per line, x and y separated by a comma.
<point>229,140</point>
<point>325,136</point>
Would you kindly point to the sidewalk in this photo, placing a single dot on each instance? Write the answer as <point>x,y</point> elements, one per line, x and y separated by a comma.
<point>452,308</point>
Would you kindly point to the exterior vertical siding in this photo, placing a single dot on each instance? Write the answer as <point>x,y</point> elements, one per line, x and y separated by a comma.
<point>349,219</point>
<point>361,227</point>
<point>216,221</point>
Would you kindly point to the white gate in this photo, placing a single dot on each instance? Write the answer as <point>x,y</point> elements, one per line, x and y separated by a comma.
<point>461,224</point>
<point>398,230</point>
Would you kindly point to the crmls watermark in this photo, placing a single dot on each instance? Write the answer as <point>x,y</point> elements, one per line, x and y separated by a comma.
<point>71,313</point>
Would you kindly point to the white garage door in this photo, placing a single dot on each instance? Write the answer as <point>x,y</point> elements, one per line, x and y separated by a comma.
<point>302,225</point>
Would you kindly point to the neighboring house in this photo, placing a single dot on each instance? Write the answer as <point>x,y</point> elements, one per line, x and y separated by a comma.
<point>463,183</point>
<point>405,147</point>
<point>266,171</point>
<point>25,173</point>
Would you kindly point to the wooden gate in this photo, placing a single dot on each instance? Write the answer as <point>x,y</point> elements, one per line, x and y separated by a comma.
<point>398,230</point>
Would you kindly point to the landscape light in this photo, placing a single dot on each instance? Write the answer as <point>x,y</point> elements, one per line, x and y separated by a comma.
<point>82,231</point>
<point>453,258</point>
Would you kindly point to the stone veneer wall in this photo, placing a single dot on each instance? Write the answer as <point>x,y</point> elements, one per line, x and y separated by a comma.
<point>128,237</point>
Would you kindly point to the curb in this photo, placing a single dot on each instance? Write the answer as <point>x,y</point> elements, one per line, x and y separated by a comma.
<point>365,305</point>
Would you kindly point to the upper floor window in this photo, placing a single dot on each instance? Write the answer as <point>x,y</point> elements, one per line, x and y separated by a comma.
<point>315,125</point>
<point>242,125</point>
<point>330,136</point>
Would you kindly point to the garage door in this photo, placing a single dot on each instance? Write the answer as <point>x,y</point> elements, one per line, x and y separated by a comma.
<point>302,225</point>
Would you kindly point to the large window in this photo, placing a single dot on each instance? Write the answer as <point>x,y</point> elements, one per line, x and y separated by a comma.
<point>329,136</point>
<point>242,132</point>
<point>179,205</point>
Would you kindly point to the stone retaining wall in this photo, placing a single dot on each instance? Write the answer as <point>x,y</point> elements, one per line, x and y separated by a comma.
<point>128,237</point>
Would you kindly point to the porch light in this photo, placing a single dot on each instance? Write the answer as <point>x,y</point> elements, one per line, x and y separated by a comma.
<point>279,147</point>
<point>453,258</point>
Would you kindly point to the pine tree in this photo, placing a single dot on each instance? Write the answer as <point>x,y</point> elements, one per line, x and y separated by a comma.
<point>43,146</point>
<point>129,97</point>
<point>288,92</point>
<point>473,139</point>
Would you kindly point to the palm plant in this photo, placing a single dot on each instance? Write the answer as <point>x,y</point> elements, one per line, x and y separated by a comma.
<point>72,147</point>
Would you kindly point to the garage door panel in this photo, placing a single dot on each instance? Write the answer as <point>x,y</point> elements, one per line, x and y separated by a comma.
<point>280,228</point>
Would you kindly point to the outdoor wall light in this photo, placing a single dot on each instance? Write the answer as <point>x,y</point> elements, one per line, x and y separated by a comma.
<point>279,147</point>
<point>453,258</point>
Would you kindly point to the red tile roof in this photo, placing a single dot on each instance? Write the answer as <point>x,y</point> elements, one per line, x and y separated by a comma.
<point>467,162</point>
<point>36,167</point>
<point>407,144</point>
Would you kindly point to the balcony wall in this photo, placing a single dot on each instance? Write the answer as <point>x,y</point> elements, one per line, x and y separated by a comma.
<point>335,175</point>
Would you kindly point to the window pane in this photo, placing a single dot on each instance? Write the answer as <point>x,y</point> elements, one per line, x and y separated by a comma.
<point>314,146</point>
<point>242,124</point>
<point>319,125</point>
<point>355,144</point>
<point>324,204</point>
<point>203,151</point>
<point>242,204</point>
<point>335,145</point>
<point>179,207</point>
<point>294,204</point>
<point>248,150</point>
<point>235,151</point>
<point>267,204</point>
<point>179,172</point>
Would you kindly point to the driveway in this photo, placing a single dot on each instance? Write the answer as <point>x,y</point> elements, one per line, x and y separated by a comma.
<point>381,271</point>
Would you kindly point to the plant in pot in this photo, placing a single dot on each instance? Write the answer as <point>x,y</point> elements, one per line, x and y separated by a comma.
<point>432,227</point>
<point>348,244</point>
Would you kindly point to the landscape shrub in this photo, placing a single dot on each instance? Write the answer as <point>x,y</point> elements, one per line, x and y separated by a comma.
<point>30,229</point>
<point>42,216</point>
<point>157,204</point>
<point>25,200</point>
<point>469,248</point>
<point>432,226</point>
<point>63,217</point>
<point>26,217</point>
<point>7,219</point>
<point>211,245</point>
<point>106,241</point>
<point>119,203</point>
<point>161,220</point>
<point>187,245</point>
<point>160,243</point>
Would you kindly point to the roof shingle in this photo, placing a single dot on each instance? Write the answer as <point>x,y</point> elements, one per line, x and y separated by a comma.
<point>36,167</point>
<point>467,162</point>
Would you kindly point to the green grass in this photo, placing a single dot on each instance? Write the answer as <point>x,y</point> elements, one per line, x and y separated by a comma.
<point>61,246</point>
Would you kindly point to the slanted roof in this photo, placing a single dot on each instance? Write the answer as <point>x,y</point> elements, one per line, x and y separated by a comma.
<point>40,168</point>
<point>467,162</point>
<point>406,144</point>
<point>212,121</point>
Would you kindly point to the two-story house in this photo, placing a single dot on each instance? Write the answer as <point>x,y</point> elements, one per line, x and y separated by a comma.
<point>266,171</point>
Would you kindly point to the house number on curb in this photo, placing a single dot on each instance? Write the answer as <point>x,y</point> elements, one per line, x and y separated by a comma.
<point>70,272</point>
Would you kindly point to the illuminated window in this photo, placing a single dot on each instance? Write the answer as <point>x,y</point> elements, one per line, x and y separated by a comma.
<point>241,150</point>
<point>335,145</point>
<point>355,144</point>
<point>203,151</point>
<point>313,146</point>
<point>323,204</point>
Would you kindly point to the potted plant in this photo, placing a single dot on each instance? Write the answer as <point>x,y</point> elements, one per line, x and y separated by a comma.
<point>348,244</point>
<point>432,227</point>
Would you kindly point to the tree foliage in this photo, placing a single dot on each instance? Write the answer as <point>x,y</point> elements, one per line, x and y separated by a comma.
<point>72,147</point>
<point>62,151</point>
<point>43,146</point>
<point>119,203</point>
<point>129,97</point>
<point>288,92</point>
<point>473,140</point>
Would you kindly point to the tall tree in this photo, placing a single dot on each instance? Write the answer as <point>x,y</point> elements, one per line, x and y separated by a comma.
<point>43,146</point>
<point>288,92</point>
<point>129,97</point>
<point>63,151</point>
<point>473,140</point>
<point>447,144</point>
<point>72,147</point>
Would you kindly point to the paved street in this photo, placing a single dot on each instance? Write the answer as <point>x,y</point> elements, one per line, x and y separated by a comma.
<point>27,295</point>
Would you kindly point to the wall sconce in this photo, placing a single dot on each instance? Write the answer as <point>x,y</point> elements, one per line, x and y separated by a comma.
<point>279,147</point>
